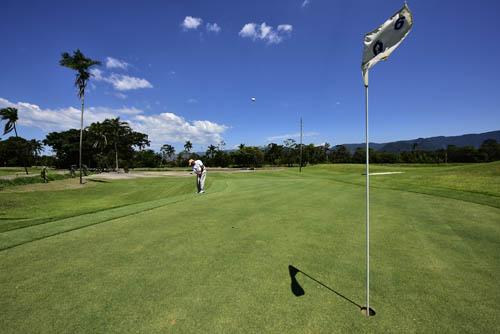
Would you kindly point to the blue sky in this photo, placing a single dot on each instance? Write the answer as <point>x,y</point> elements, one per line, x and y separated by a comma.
<point>177,77</point>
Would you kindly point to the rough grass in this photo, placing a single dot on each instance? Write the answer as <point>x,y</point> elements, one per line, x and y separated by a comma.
<point>18,170</point>
<point>167,260</point>
<point>29,179</point>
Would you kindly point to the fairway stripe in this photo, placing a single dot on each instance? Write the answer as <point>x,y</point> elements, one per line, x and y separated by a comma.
<point>4,240</point>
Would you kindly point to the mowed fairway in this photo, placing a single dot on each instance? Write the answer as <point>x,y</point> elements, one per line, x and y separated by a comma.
<point>150,256</point>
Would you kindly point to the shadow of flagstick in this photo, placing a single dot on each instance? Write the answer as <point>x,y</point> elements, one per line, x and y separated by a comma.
<point>298,291</point>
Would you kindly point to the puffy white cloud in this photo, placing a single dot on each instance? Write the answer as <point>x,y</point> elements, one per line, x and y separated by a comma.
<point>249,30</point>
<point>292,136</point>
<point>169,127</point>
<point>213,27</point>
<point>265,32</point>
<point>121,82</point>
<point>161,128</point>
<point>32,115</point>
<point>116,63</point>
<point>191,22</point>
<point>285,27</point>
<point>125,82</point>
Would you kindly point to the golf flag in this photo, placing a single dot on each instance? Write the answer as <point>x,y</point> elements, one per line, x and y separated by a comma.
<point>380,43</point>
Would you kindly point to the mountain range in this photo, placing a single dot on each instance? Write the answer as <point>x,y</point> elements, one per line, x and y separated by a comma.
<point>431,143</point>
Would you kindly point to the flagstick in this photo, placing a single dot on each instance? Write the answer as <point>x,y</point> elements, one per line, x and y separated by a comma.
<point>367,204</point>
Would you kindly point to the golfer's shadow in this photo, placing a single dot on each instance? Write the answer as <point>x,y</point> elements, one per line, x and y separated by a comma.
<point>298,291</point>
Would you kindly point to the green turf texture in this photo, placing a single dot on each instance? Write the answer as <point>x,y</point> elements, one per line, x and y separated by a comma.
<point>150,256</point>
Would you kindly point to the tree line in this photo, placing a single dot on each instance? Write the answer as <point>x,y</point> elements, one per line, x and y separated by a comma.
<point>112,145</point>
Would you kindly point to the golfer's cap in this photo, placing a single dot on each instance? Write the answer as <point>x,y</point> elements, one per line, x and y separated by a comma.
<point>191,161</point>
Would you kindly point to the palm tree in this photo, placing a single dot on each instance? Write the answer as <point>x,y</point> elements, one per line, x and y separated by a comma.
<point>98,135</point>
<point>116,129</point>
<point>211,151</point>
<point>81,65</point>
<point>188,146</point>
<point>9,115</point>
<point>167,151</point>
<point>36,148</point>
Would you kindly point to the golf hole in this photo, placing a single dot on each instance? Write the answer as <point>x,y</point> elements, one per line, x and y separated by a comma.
<point>372,311</point>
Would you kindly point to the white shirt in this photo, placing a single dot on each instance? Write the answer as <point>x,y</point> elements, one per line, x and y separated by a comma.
<point>198,167</point>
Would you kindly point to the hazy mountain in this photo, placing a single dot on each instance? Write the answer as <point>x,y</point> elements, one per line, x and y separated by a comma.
<point>431,143</point>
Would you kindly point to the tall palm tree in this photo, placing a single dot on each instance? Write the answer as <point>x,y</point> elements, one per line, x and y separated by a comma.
<point>188,146</point>
<point>81,65</point>
<point>117,129</point>
<point>9,115</point>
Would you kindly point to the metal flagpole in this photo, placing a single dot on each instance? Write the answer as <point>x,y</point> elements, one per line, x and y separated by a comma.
<point>367,204</point>
<point>300,167</point>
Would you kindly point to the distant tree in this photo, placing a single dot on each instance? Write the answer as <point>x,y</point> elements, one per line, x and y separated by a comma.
<point>10,149</point>
<point>115,138</point>
<point>119,132</point>
<point>146,158</point>
<point>290,152</point>
<point>35,148</point>
<point>359,155</point>
<point>82,66</point>
<point>274,154</point>
<point>211,150</point>
<point>167,152</point>
<point>188,146</point>
<point>326,147</point>
<point>66,147</point>
<point>9,116</point>
<point>490,148</point>
<point>340,154</point>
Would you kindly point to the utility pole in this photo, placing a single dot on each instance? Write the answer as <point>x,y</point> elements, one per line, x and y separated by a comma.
<point>300,167</point>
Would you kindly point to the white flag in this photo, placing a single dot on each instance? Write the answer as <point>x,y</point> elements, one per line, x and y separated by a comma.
<point>380,43</point>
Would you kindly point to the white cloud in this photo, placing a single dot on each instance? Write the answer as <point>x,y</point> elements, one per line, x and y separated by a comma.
<point>96,74</point>
<point>31,115</point>
<point>213,27</point>
<point>115,63</point>
<point>305,3</point>
<point>169,127</point>
<point>292,135</point>
<point>124,82</point>
<point>248,30</point>
<point>285,27</point>
<point>192,101</point>
<point>191,22</point>
<point>127,111</point>
<point>161,128</point>
<point>121,82</point>
<point>265,32</point>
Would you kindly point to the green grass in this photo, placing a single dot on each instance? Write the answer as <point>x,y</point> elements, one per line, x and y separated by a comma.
<point>149,256</point>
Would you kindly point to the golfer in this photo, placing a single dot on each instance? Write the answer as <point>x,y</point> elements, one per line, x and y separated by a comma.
<point>201,174</point>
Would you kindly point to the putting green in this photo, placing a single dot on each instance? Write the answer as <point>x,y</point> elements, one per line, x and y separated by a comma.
<point>150,256</point>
